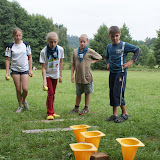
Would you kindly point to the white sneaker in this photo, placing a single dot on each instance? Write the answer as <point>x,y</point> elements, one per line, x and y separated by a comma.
<point>19,109</point>
<point>25,104</point>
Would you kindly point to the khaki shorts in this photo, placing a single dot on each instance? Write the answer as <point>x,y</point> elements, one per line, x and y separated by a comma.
<point>84,88</point>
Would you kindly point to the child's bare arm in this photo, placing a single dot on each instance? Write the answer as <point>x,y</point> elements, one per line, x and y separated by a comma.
<point>7,67</point>
<point>30,65</point>
<point>95,61</point>
<point>44,75</point>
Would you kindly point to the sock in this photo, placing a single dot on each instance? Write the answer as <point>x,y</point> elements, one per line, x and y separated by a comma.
<point>86,107</point>
<point>76,107</point>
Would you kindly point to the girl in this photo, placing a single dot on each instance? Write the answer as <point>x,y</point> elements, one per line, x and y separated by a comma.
<point>19,52</point>
<point>51,57</point>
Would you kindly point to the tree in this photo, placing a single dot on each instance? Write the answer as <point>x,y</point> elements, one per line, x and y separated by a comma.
<point>62,34</point>
<point>99,43</point>
<point>157,49</point>
<point>35,33</point>
<point>34,27</point>
<point>73,41</point>
<point>6,26</point>
<point>151,60</point>
<point>125,35</point>
<point>149,42</point>
<point>143,56</point>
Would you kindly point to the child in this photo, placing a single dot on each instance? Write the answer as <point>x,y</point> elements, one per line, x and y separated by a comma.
<point>80,63</point>
<point>51,57</point>
<point>116,54</point>
<point>20,54</point>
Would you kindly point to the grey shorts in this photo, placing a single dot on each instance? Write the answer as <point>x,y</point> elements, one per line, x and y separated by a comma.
<point>84,88</point>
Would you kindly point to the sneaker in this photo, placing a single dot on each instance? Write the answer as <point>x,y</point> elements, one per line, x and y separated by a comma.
<point>122,118</point>
<point>25,104</point>
<point>56,115</point>
<point>111,118</point>
<point>85,110</point>
<point>19,109</point>
<point>73,111</point>
<point>50,117</point>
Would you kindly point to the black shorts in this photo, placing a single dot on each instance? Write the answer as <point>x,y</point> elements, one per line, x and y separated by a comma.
<point>117,85</point>
<point>15,72</point>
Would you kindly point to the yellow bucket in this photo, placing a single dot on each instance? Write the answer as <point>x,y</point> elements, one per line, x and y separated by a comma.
<point>93,137</point>
<point>129,147</point>
<point>77,129</point>
<point>82,151</point>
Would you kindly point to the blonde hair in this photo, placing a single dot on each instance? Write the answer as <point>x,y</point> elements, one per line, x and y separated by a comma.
<point>84,36</point>
<point>51,34</point>
<point>15,30</point>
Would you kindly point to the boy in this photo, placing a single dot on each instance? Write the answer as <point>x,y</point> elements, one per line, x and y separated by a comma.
<point>116,54</point>
<point>80,63</point>
<point>51,58</point>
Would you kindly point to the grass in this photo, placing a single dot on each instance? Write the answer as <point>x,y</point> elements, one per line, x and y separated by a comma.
<point>142,99</point>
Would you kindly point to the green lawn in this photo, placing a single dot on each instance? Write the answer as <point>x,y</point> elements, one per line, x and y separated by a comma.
<point>143,105</point>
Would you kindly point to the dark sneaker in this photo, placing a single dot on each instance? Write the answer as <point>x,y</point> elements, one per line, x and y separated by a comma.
<point>73,111</point>
<point>111,118</point>
<point>122,118</point>
<point>85,110</point>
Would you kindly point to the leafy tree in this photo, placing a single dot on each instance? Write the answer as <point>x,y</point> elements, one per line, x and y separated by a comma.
<point>35,34</point>
<point>99,44</point>
<point>73,41</point>
<point>149,42</point>
<point>20,15</point>
<point>157,49</point>
<point>34,27</point>
<point>125,35</point>
<point>151,60</point>
<point>143,56</point>
<point>62,33</point>
<point>7,22</point>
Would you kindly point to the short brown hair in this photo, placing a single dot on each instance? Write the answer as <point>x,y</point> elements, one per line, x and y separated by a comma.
<point>114,29</point>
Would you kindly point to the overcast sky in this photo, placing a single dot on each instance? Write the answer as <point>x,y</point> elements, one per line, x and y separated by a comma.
<point>142,17</point>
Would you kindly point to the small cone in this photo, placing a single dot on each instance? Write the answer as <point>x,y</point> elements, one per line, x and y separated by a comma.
<point>93,137</point>
<point>77,129</point>
<point>129,147</point>
<point>82,151</point>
